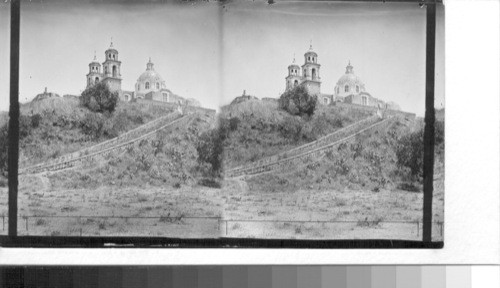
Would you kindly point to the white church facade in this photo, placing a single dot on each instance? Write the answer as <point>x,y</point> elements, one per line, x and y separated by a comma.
<point>149,86</point>
<point>348,89</point>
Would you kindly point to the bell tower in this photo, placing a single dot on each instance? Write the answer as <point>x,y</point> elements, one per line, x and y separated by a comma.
<point>310,72</point>
<point>111,66</point>
<point>94,76</point>
<point>293,79</point>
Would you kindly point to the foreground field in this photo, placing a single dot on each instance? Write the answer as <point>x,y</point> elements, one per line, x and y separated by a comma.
<point>232,211</point>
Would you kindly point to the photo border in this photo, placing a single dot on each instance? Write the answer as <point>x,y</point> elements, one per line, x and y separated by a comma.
<point>14,240</point>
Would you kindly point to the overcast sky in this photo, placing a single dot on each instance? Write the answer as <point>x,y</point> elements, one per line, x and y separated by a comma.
<point>211,53</point>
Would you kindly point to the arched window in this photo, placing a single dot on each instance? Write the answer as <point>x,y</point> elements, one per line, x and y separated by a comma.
<point>346,88</point>
<point>364,100</point>
<point>146,86</point>
<point>325,100</point>
<point>109,55</point>
<point>357,89</point>
<point>309,58</point>
<point>158,85</point>
<point>138,87</point>
<point>115,71</point>
<point>314,73</point>
<point>295,83</point>
<point>165,97</point>
<point>105,69</point>
<point>126,97</point>
<point>96,79</point>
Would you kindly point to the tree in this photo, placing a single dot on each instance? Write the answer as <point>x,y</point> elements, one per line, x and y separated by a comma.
<point>410,149</point>
<point>410,152</point>
<point>298,101</point>
<point>210,146</point>
<point>98,98</point>
<point>4,149</point>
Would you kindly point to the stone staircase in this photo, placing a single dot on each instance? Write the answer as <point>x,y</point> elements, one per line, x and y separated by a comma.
<point>117,144</point>
<point>290,159</point>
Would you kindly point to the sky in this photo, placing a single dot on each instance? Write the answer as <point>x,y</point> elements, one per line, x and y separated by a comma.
<point>212,52</point>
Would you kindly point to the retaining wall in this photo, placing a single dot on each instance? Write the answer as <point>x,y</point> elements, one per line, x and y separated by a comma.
<point>388,112</point>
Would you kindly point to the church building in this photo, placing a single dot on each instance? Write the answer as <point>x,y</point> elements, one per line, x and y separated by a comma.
<point>111,71</point>
<point>350,89</point>
<point>149,86</point>
<point>308,75</point>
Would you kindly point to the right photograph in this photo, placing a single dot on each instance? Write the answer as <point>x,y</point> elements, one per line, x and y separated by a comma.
<point>324,120</point>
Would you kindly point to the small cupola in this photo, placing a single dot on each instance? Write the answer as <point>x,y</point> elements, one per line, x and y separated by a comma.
<point>150,65</point>
<point>349,68</point>
<point>310,56</point>
<point>111,53</point>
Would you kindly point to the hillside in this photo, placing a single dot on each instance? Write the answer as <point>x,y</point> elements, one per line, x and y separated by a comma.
<point>370,161</point>
<point>56,126</point>
<point>169,159</point>
<point>259,129</point>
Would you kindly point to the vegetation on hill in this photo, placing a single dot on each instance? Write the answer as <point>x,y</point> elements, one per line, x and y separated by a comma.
<point>170,159</point>
<point>297,101</point>
<point>260,128</point>
<point>385,159</point>
<point>55,126</point>
<point>98,98</point>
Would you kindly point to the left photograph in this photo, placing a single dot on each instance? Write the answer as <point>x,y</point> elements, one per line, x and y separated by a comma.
<point>111,113</point>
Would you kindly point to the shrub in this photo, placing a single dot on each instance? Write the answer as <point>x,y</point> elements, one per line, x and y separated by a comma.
<point>410,152</point>
<point>210,146</point>
<point>209,183</point>
<point>35,120</point>
<point>4,148</point>
<point>233,123</point>
<point>298,101</point>
<point>98,98</point>
<point>3,182</point>
<point>291,128</point>
<point>92,125</point>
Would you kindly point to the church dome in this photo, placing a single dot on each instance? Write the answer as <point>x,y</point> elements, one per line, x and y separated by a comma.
<point>349,77</point>
<point>150,75</point>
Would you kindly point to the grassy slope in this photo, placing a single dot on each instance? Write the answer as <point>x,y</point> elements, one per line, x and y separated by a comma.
<point>368,164</point>
<point>59,131</point>
<point>171,160</point>
<point>264,130</point>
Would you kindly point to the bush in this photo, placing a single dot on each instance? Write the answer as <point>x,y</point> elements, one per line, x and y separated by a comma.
<point>291,128</point>
<point>98,98</point>
<point>36,120</point>
<point>92,125</point>
<point>410,152</point>
<point>298,101</point>
<point>210,146</point>
<point>209,183</point>
<point>4,148</point>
